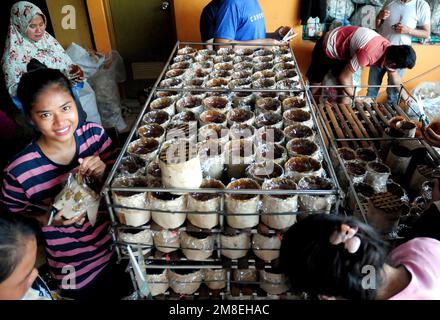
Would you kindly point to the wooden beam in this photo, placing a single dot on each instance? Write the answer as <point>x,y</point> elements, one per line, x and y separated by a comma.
<point>102,26</point>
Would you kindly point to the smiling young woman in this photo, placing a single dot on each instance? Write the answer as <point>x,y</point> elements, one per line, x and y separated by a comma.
<point>56,117</point>
<point>37,174</point>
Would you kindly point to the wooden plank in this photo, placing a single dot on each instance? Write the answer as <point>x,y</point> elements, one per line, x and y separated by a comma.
<point>390,109</point>
<point>373,116</point>
<point>335,123</point>
<point>326,123</point>
<point>379,113</point>
<point>343,121</point>
<point>357,131</point>
<point>360,108</point>
<point>358,122</point>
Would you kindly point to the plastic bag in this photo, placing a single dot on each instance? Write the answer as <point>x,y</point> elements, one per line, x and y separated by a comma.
<point>89,63</point>
<point>428,98</point>
<point>435,16</point>
<point>365,16</point>
<point>340,9</point>
<point>105,83</point>
<point>88,101</point>
<point>378,3</point>
<point>77,198</point>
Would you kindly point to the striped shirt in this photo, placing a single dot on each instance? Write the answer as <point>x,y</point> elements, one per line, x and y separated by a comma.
<point>360,46</point>
<point>75,254</point>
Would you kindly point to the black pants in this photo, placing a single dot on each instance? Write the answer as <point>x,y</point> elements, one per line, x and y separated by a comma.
<point>321,64</point>
<point>113,283</point>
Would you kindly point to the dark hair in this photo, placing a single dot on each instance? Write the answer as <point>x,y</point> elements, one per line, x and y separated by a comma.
<point>403,56</point>
<point>14,228</point>
<point>33,83</point>
<point>35,65</point>
<point>316,266</point>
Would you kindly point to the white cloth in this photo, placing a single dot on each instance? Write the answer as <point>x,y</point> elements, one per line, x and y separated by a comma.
<point>413,14</point>
<point>88,101</point>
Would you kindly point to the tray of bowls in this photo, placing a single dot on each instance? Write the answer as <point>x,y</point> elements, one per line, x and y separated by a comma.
<point>207,168</point>
<point>382,163</point>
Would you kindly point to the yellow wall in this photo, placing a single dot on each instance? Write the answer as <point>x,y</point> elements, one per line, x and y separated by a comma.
<point>286,12</point>
<point>80,35</point>
<point>102,26</point>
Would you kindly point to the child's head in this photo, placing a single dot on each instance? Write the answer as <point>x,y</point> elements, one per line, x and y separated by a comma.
<point>18,252</point>
<point>48,101</point>
<point>317,266</point>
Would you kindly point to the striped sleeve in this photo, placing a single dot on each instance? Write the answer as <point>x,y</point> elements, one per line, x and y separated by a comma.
<point>355,63</point>
<point>13,196</point>
<point>95,141</point>
<point>106,151</point>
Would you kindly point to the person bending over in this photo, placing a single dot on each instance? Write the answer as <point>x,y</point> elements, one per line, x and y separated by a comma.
<point>346,49</point>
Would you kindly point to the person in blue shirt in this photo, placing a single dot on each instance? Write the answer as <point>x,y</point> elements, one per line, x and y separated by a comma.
<point>237,21</point>
<point>208,20</point>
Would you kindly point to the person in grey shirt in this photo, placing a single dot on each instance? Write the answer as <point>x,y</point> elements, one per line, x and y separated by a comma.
<point>398,22</point>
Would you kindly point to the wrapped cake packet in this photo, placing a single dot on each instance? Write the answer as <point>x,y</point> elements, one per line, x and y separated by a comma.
<point>77,198</point>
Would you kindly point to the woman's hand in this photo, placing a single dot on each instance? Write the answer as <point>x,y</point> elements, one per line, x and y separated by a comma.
<point>384,14</point>
<point>76,74</point>
<point>92,166</point>
<point>59,221</point>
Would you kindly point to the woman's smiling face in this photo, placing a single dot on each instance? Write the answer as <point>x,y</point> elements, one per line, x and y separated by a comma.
<point>55,115</point>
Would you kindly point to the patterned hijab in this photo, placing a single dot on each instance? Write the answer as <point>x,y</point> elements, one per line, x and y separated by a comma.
<point>19,49</point>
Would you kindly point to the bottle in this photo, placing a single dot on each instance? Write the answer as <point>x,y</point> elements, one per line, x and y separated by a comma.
<point>312,27</point>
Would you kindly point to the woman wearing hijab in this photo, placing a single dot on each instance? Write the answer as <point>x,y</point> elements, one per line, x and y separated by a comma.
<point>27,39</point>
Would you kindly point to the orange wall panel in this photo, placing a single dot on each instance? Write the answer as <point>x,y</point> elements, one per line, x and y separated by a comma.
<point>99,20</point>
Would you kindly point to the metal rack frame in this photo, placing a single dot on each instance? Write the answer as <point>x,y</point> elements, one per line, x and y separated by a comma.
<point>434,156</point>
<point>108,189</point>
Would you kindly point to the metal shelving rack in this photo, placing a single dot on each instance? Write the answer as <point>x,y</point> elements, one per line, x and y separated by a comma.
<point>217,262</point>
<point>378,121</point>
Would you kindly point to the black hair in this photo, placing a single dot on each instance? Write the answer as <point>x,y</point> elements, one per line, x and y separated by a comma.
<point>33,83</point>
<point>14,228</point>
<point>403,56</point>
<point>316,266</point>
<point>35,65</point>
